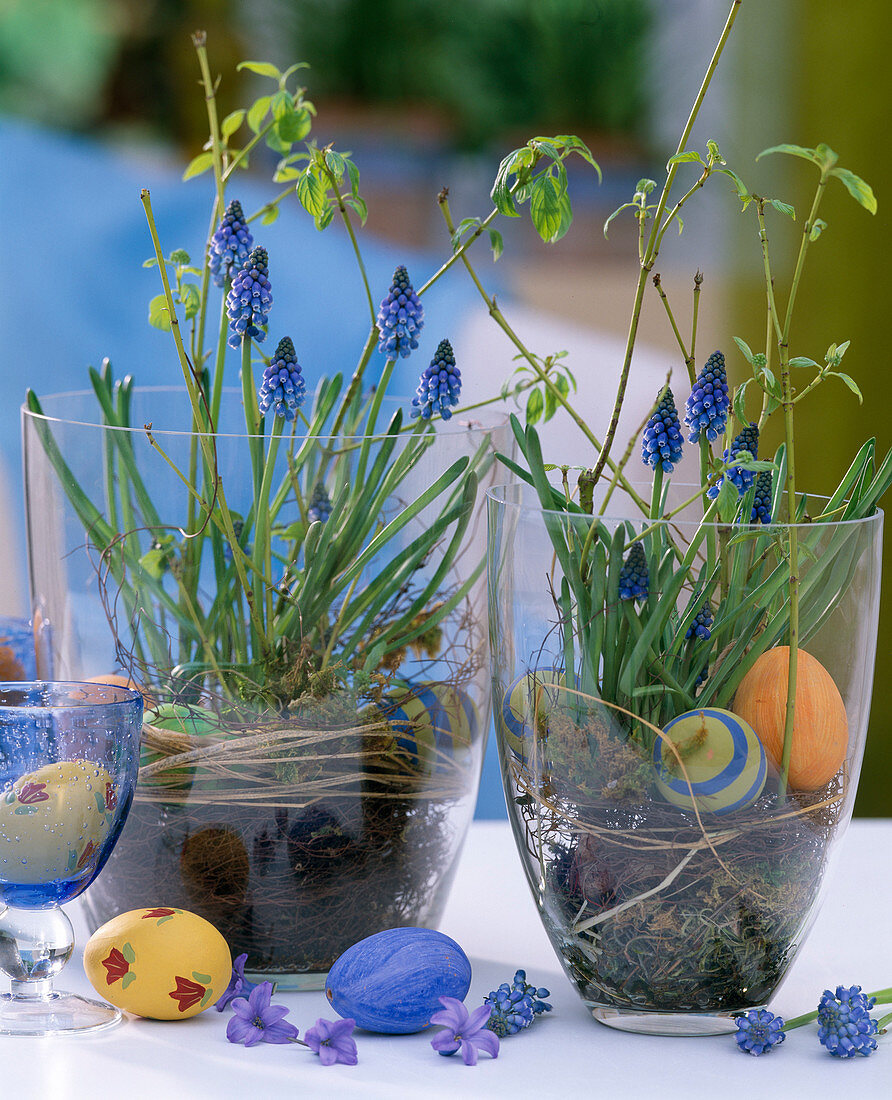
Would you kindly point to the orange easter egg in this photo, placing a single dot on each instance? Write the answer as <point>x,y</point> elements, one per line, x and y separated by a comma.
<point>820,726</point>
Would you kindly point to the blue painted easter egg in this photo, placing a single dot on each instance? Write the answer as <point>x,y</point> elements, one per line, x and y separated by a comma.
<point>529,699</point>
<point>724,760</point>
<point>392,982</point>
<point>431,721</point>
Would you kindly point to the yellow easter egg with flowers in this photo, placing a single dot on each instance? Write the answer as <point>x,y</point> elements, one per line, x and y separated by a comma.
<point>163,963</point>
<point>820,726</point>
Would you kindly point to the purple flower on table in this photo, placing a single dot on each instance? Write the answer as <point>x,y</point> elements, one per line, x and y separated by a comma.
<point>255,1020</point>
<point>845,1026</point>
<point>759,1030</point>
<point>333,1041</point>
<point>464,1031</point>
<point>239,985</point>
<point>514,1007</point>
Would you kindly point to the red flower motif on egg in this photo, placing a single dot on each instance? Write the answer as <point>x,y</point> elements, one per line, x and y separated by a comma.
<point>33,792</point>
<point>116,965</point>
<point>111,796</point>
<point>187,992</point>
<point>86,855</point>
<point>149,913</point>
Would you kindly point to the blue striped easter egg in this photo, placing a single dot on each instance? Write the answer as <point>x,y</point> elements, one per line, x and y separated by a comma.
<point>723,757</point>
<point>431,721</point>
<point>528,699</point>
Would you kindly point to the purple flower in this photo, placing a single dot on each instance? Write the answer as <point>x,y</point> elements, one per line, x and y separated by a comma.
<point>706,409</point>
<point>283,387</point>
<point>400,317</point>
<point>634,577</point>
<point>249,299</point>
<point>439,385</point>
<point>333,1041</point>
<point>759,1030</point>
<point>464,1031</point>
<point>662,443</point>
<point>747,440</point>
<point>239,985</point>
<point>230,244</point>
<point>255,1020</point>
<point>845,1026</point>
<point>514,1007</point>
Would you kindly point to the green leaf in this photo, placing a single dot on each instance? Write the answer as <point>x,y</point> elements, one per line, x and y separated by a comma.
<point>159,316</point>
<point>684,158</point>
<point>270,214</point>
<point>231,123</point>
<point>793,151</point>
<point>323,220</point>
<point>857,188</point>
<point>353,173</point>
<point>740,401</point>
<point>198,164</point>
<point>619,210</point>
<point>770,383</point>
<point>728,500</point>
<point>783,208</point>
<point>851,383</point>
<point>825,155</point>
<point>535,407</point>
<point>802,361</point>
<point>257,112</point>
<point>357,204</point>
<point>818,227</point>
<point>262,68</point>
<point>744,349</point>
<point>191,299</point>
<point>336,163</point>
<point>496,243</point>
<point>293,126</point>
<point>545,207</point>
<point>128,952</point>
<point>312,193</point>
<point>150,263</point>
<point>179,257</point>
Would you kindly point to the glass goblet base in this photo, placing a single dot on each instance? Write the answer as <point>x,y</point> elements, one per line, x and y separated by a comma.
<point>37,1011</point>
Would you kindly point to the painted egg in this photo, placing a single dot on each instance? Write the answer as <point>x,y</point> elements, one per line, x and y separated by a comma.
<point>724,760</point>
<point>174,718</point>
<point>431,720</point>
<point>820,725</point>
<point>163,963</point>
<point>529,699</point>
<point>392,982</point>
<point>53,821</point>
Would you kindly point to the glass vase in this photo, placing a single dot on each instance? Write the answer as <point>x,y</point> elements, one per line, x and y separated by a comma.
<point>321,791</point>
<point>676,854</point>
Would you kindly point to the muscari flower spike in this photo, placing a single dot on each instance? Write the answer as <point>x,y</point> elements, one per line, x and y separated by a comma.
<point>283,386</point>
<point>634,576</point>
<point>845,1026</point>
<point>759,1030</point>
<point>249,299</point>
<point>439,385</point>
<point>400,317</point>
<point>230,244</point>
<point>762,499</point>
<point>515,1007</point>
<point>464,1031</point>
<point>706,410</point>
<point>747,440</point>
<point>699,628</point>
<point>662,442</point>
<point>320,505</point>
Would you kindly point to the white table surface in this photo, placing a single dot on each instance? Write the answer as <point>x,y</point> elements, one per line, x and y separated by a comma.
<point>564,1054</point>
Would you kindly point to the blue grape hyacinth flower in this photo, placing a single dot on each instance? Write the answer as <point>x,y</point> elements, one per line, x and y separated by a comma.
<point>747,440</point>
<point>662,441</point>
<point>400,317</point>
<point>230,245</point>
<point>515,1006</point>
<point>320,505</point>
<point>249,299</point>
<point>283,387</point>
<point>634,577</point>
<point>762,500</point>
<point>845,1026</point>
<point>439,386</point>
<point>699,628</point>
<point>758,1031</point>
<point>706,410</point>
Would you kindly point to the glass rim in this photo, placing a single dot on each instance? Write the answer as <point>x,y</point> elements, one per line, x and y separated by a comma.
<point>455,426</point>
<point>624,516</point>
<point>124,696</point>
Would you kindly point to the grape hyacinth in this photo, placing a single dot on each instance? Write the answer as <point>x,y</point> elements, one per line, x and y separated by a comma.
<point>762,499</point>
<point>634,577</point>
<point>706,410</point>
<point>515,1007</point>
<point>439,385</point>
<point>249,299</point>
<point>283,386</point>
<point>662,442</point>
<point>400,317</point>
<point>320,505</point>
<point>699,628</point>
<point>747,440</point>
<point>845,1026</point>
<point>230,244</point>
<point>759,1030</point>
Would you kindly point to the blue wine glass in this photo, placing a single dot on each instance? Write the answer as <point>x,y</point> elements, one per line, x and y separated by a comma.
<point>69,755</point>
